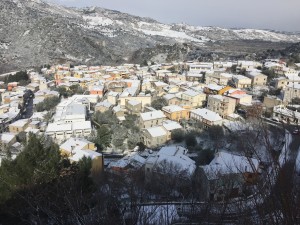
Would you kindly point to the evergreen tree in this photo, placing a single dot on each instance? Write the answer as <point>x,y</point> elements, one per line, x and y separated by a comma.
<point>177,135</point>
<point>36,164</point>
<point>103,137</point>
<point>159,103</point>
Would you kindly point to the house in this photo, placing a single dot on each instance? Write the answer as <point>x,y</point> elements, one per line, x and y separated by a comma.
<point>206,117</point>
<point>200,67</point>
<point>33,87</point>
<point>171,89</point>
<point>151,119</point>
<point>213,89</point>
<point>19,126</point>
<point>257,78</point>
<point>241,81</point>
<point>133,106</point>
<point>226,174</point>
<point>291,91</point>
<point>97,90</point>
<point>103,106</point>
<point>162,74</point>
<point>221,104</point>
<point>193,98</point>
<point>11,85</point>
<point>169,126</point>
<point>119,112</point>
<point>69,112</point>
<point>76,149</point>
<point>218,78</point>
<point>194,77</point>
<point>247,65</point>
<point>170,161</point>
<point>143,98</point>
<point>63,131</point>
<point>4,109</point>
<point>172,99</point>
<point>112,97</point>
<point>271,101</point>
<point>226,65</point>
<point>281,113</point>
<point>240,97</point>
<point>159,86</point>
<point>280,82</point>
<point>7,140</point>
<point>154,136</point>
<point>175,112</point>
<point>132,161</point>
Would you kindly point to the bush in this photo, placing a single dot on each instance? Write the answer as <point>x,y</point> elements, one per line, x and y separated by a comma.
<point>205,156</point>
<point>47,104</point>
<point>21,76</point>
<point>190,140</point>
<point>177,135</point>
<point>103,138</point>
<point>159,103</point>
<point>215,133</point>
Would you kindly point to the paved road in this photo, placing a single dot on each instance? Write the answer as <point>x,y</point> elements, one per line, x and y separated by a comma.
<point>26,111</point>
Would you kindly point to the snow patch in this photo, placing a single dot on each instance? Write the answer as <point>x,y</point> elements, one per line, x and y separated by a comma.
<point>179,36</point>
<point>26,32</point>
<point>3,46</point>
<point>98,20</point>
<point>72,57</point>
<point>251,34</point>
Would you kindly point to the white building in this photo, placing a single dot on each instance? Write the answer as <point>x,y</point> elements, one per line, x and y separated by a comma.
<point>281,113</point>
<point>291,91</point>
<point>70,120</point>
<point>60,132</point>
<point>206,117</point>
<point>171,160</point>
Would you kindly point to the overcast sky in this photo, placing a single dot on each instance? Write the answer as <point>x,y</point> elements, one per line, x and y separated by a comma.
<point>281,15</point>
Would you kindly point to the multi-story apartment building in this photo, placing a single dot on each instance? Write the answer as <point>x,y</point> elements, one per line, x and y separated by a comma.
<point>257,78</point>
<point>151,119</point>
<point>241,81</point>
<point>193,98</point>
<point>206,117</point>
<point>291,91</point>
<point>221,104</point>
<point>175,112</point>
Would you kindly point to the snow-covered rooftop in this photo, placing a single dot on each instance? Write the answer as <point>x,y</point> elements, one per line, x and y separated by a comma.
<point>207,114</point>
<point>156,131</point>
<point>170,125</point>
<point>227,163</point>
<point>152,115</point>
<point>172,108</point>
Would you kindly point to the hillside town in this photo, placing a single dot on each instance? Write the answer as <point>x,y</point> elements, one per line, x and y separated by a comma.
<point>179,120</point>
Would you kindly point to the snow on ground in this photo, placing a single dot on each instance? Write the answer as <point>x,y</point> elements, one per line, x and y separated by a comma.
<point>72,57</point>
<point>171,34</point>
<point>251,34</point>
<point>3,46</point>
<point>26,32</point>
<point>98,21</point>
<point>164,31</point>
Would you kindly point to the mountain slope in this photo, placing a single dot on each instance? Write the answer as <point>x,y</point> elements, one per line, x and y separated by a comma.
<point>33,33</point>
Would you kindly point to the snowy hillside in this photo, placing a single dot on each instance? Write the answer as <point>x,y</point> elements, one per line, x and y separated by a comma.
<point>34,32</point>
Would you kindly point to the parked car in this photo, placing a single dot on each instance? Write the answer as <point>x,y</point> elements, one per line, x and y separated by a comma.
<point>296,132</point>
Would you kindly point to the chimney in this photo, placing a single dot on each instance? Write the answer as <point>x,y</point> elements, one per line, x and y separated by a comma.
<point>72,149</point>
